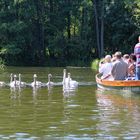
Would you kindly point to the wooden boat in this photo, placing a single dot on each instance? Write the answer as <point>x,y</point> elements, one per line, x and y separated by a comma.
<point>133,85</point>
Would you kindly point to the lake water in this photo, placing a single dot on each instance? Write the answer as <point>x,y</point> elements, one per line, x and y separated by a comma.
<point>85,113</point>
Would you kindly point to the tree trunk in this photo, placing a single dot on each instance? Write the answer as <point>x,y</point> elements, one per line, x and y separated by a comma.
<point>51,11</point>
<point>97,28</point>
<point>74,28</point>
<point>68,20</point>
<point>39,25</point>
<point>102,29</point>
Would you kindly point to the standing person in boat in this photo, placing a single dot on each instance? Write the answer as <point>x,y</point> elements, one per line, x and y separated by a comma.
<point>120,68</point>
<point>137,53</point>
<point>106,67</point>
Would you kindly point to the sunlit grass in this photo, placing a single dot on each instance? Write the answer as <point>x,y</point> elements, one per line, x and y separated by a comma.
<point>95,64</point>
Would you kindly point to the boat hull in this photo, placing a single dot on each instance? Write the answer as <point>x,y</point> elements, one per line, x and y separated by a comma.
<point>118,84</point>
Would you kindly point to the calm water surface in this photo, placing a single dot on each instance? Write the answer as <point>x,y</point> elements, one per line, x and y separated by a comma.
<point>86,113</point>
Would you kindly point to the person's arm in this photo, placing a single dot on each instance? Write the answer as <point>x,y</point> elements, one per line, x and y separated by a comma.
<point>131,69</point>
<point>106,77</point>
<point>101,69</point>
<point>101,63</point>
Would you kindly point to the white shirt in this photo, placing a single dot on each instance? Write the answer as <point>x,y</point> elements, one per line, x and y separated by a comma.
<point>105,69</point>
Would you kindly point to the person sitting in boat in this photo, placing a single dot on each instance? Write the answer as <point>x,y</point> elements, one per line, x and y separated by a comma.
<point>113,59</point>
<point>126,58</point>
<point>106,67</point>
<point>120,68</point>
<point>102,61</point>
<point>132,67</point>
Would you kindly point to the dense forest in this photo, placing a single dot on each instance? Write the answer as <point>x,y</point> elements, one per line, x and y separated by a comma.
<point>66,32</point>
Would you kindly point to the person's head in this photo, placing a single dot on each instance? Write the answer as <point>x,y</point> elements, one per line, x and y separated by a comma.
<point>118,55</point>
<point>113,59</point>
<point>125,56</point>
<point>108,58</point>
<point>133,57</point>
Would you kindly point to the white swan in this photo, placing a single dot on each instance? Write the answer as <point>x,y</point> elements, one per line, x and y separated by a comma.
<point>13,83</point>
<point>20,83</point>
<point>11,77</point>
<point>67,82</point>
<point>71,83</point>
<point>2,84</point>
<point>65,79</point>
<point>36,83</point>
<point>64,76</point>
<point>49,83</point>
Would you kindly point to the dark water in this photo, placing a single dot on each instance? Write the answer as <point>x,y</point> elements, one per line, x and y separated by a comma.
<point>86,113</point>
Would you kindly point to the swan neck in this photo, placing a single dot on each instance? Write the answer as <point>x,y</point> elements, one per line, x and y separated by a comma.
<point>19,79</point>
<point>34,81</point>
<point>64,76</point>
<point>49,79</point>
<point>14,81</point>
<point>68,79</point>
<point>11,78</point>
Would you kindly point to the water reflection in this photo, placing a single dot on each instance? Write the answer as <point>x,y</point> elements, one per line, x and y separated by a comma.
<point>112,105</point>
<point>20,136</point>
<point>69,93</point>
<point>50,89</point>
<point>15,92</point>
<point>35,91</point>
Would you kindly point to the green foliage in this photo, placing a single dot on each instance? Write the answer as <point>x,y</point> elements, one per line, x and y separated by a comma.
<point>95,64</point>
<point>50,32</point>
<point>120,28</point>
<point>2,65</point>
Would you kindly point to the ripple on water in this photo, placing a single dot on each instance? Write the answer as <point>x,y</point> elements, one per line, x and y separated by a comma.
<point>86,83</point>
<point>19,136</point>
<point>73,105</point>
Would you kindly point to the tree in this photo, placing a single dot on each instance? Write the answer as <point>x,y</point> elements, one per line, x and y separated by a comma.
<point>66,32</point>
<point>99,20</point>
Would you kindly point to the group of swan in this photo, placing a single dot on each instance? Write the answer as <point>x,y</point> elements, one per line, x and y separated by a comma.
<point>36,83</point>
<point>67,82</point>
<point>18,83</point>
<point>14,82</point>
